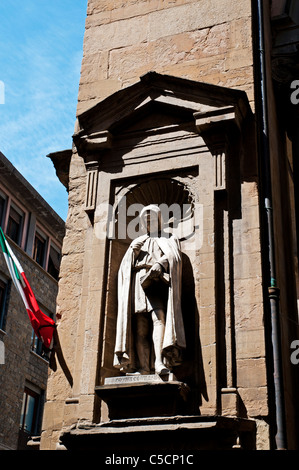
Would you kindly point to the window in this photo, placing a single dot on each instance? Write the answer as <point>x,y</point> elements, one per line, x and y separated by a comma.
<point>39,248</point>
<point>31,414</point>
<point>4,297</point>
<point>29,411</point>
<point>15,223</point>
<point>13,218</point>
<point>46,253</point>
<point>54,262</point>
<point>36,343</point>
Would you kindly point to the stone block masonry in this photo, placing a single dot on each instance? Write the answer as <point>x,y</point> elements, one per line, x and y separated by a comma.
<point>124,40</point>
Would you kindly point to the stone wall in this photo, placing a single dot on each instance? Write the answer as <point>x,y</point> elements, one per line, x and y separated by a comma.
<point>71,287</point>
<point>204,41</point>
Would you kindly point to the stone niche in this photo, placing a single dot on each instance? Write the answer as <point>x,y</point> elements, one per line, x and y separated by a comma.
<point>167,140</point>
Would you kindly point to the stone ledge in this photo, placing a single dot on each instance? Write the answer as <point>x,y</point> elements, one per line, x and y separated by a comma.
<point>178,433</point>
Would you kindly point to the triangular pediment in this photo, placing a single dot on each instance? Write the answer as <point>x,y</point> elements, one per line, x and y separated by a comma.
<point>157,100</point>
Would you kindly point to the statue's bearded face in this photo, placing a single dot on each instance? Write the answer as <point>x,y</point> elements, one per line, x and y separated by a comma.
<point>152,222</point>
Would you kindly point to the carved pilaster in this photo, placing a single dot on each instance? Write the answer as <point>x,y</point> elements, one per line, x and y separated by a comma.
<point>91,185</point>
<point>90,146</point>
<point>214,127</point>
<point>219,171</point>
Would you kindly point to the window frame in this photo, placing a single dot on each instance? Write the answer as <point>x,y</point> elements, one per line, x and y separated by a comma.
<point>18,207</point>
<point>28,392</point>
<point>20,225</point>
<point>56,248</point>
<point>49,239</point>
<point>31,390</point>
<point>39,233</point>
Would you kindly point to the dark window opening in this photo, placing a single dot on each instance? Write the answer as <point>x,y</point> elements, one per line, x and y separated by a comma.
<point>15,225</point>
<point>39,249</point>
<point>31,415</point>
<point>54,262</point>
<point>36,344</point>
<point>29,411</point>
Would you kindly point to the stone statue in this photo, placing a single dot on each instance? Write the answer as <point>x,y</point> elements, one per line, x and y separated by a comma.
<point>149,300</point>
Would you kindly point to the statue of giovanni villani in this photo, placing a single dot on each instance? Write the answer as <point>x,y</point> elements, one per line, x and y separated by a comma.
<point>150,332</point>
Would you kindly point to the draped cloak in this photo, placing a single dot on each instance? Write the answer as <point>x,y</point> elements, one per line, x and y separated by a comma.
<point>174,336</point>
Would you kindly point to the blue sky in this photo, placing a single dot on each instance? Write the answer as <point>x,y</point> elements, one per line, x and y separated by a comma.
<point>41,48</point>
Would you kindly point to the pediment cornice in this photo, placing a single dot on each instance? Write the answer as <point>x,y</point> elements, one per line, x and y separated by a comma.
<point>179,98</point>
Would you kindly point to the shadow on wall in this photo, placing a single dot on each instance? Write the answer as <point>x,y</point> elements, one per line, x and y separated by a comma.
<point>57,352</point>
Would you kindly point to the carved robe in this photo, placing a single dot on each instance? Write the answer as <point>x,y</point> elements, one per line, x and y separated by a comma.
<point>174,337</point>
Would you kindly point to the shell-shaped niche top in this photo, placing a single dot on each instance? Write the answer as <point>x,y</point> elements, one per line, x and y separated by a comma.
<point>171,195</point>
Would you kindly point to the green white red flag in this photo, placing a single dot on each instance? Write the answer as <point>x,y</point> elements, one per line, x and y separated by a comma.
<point>42,324</point>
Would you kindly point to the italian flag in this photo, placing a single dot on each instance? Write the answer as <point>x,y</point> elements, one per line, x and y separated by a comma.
<point>42,324</point>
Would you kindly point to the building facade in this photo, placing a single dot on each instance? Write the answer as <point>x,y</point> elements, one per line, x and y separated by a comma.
<point>194,104</point>
<point>35,233</point>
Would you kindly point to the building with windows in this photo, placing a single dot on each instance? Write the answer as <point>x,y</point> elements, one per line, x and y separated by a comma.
<point>193,103</point>
<point>35,233</point>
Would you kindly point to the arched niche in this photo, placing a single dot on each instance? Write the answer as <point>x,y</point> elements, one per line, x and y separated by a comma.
<point>175,193</point>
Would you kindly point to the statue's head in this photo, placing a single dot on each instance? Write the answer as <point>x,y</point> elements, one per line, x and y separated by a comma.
<point>151,219</point>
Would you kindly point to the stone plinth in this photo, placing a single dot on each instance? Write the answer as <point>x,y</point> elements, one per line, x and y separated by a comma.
<point>229,402</point>
<point>143,396</point>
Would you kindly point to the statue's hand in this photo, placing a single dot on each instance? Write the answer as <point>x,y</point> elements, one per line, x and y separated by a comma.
<point>136,246</point>
<point>156,270</point>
